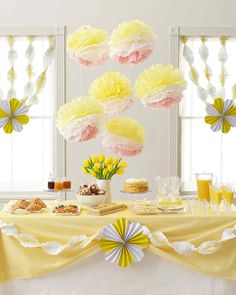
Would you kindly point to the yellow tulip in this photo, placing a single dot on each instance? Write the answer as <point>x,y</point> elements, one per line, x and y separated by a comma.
<point>92,173</point>
<point>116,160</point>
<point>104,172</point>
<point>84,170</point>
<point>102,157</point>
<point>86,163</point>
<point>95,159</point>
<point>123,164</point>
<point>120,171</point>
<point>109,167</point>
<point>108,161</point>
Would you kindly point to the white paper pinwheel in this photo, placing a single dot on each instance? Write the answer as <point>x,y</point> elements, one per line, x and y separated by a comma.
<point>13,115</point>
<point>123,242</point>
<point>221,115</point>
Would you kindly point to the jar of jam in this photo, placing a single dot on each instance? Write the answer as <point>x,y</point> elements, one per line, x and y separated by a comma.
<point>66,184</point>
<point>51,183</point>
<point>58,186</point>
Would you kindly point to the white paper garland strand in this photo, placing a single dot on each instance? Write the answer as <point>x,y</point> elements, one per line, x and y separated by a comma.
<point>204,53</point>
<point>193,73</point>
<point>222,56</point>
<point>42,78</point>
<point>11,74</point>
<point>157,239</point>
<point>29,54</point>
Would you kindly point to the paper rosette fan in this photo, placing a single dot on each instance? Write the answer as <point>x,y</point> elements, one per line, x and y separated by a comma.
<point>123,136</point>
<point>123,242</point>
<point>79,120</point>
<point>132,42</point>
<point>88,46</point>
<point>160,86</point>
<point>113,90</point>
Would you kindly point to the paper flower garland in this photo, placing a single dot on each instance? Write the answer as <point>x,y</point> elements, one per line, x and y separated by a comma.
<point>132,42</point>
<point>123,242</point>
<point>88,46</point>
<point>221,115</point>
<point>160,86</point>
<point>113,90</point>
<point>13,115</point>
<point>79,120</point>
<point>123,136</point>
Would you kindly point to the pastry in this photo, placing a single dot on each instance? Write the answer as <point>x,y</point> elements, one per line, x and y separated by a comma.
<point>35,204</point>
<point>89,190</point>
<point>136,185</point>
<point>66,209</point>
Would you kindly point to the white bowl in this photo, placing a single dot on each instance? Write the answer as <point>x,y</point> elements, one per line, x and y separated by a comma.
<point>92,200</point>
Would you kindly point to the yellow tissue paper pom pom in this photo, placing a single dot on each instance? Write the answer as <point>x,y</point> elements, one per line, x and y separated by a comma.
<point>126,127</point>
<point>86,36</point>
<point>79,119</point>
<point>113,90</point>
<point>88,46</point>
<point>130,29</point>
<point>160,86</point>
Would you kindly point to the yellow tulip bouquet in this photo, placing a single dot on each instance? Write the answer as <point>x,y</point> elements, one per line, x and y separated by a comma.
<point>102,167</point>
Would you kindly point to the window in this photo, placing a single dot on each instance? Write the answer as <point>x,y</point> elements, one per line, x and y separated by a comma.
<point>28,157</point>
<point>201,149</point>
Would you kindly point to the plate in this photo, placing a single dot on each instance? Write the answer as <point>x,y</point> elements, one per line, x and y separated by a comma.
<point>8,206</point>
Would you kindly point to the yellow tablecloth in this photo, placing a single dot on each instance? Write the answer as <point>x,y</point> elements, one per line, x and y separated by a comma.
<point>17,262</point>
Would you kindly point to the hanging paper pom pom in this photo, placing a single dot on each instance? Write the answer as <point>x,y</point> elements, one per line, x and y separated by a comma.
<point>113,90</point>
<point>160,86</point>
<point>88,46</point>
<point>132,42</point>
<point>123,136</point>
<point>79,120</point>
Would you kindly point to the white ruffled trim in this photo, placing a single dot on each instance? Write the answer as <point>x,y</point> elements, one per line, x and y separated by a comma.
<point>157,239</point>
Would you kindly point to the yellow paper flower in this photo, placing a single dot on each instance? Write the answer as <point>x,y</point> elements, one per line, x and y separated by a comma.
<point>221,115</point>
<point>123,136</point>
<point>160,86</point>
<point>79,120</point>
<point>123,242</point>
<point>13,115</point>
<point>88,45</point>
<point>113,90</point>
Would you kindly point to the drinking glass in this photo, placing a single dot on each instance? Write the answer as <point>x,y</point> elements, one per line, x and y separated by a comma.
<point>227,196</point>
<point>175,183</point>
<point>216,196</point>
<point>163,190</point>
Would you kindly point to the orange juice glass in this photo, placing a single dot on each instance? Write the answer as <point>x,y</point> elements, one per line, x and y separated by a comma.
<point>204,180</point>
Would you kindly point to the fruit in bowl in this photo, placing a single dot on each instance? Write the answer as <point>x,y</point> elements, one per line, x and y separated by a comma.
<point>91,195</point>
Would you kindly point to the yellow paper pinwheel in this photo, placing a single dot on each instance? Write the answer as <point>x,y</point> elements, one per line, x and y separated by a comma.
<point>13,115</point>
<point>221,115</point>
<point>123,242</point>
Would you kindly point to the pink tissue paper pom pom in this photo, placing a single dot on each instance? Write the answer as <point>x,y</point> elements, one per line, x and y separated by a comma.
<point>86,133</point>
<point>135,57</point>
<point>85,62</point>
<point>164,103</point>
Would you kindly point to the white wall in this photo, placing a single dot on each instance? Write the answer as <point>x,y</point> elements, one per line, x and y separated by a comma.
<point>107,14</point>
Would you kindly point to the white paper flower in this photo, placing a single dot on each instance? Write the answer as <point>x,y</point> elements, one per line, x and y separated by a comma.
<point>123,242</point>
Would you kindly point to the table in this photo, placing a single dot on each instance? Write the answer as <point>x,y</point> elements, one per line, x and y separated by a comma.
<point>86,264</point>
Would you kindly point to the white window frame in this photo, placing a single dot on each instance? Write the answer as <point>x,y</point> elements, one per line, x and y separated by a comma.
<point>174,119</point>
<point>59,165</point>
